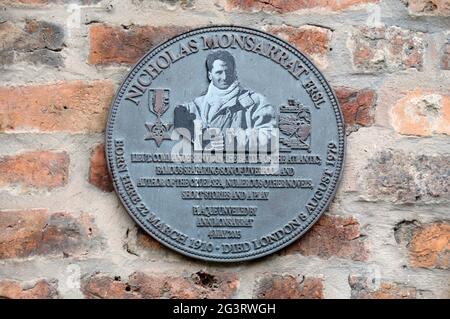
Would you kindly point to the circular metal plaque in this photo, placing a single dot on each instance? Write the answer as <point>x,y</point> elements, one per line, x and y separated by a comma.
<point>225,143</point>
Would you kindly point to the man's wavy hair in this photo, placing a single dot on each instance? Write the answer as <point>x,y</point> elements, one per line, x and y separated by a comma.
<point>225,56</point>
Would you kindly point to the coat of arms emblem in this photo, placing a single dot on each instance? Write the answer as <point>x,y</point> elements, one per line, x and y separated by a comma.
<point>295,125</point>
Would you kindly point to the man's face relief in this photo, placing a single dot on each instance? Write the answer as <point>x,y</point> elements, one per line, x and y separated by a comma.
<point>221,75</point>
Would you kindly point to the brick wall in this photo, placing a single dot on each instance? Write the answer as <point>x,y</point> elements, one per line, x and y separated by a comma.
<point>63,231</point>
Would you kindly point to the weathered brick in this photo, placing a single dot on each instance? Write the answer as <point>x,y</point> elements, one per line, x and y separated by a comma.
<point>98,170</point>
<point>363,288</point>
<point>41,289</point>
<point>113,44</point>
<point>429,246</point>
<point>33,3</point>
<point>138,242</point>
<point>400,177</point>
<point>358,107</point>
<point>403,231</point>
<point>36,169</point>
<point>332,236</point>
<point>146,241</point>
<point>428,7</point>
<point>273,286</point>
<point>422,113</point>
<point>140,285</point>
<point>23,2</point>
<point>32,232</point>
<point>105,287</point>
<point>389,49</point>
<point>181,3</point>
<point>311,40</point>
<point>73,106</point>
<point>39,42</point>
<point>285,6</point>
<point>445,59</point>
<point>221,285</point>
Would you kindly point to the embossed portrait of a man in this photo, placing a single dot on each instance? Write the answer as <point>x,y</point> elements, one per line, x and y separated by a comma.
<point>226,103</point>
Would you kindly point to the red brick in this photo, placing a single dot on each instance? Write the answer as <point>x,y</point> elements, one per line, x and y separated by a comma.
<point>98,170</point>
<point>358,107</point>
<point>32,232</point>
<point>140,285</point>
<point>430,246</point>
<point>74,107</point>
<point>428,7</point>
<point>105,287</point>
<point>332,236</point>
<point>386,49</point>
<point>422,113</point>
<point>41,289</point>
<point>284,6</point>
<point>271,286</point>
<point>112,44</point>
<point>311,40</point>
<point>36,169</point>
<point>361,289</point>
<point>146,241</point>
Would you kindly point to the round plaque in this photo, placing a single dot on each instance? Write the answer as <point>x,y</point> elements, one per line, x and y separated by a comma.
<point>225,143</point>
